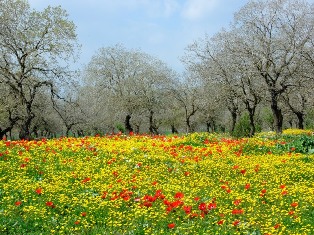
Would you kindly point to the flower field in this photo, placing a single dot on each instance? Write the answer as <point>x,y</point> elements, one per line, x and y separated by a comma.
<point>193,184</point>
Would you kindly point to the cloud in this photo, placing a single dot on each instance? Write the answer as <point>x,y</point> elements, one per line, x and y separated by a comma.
<point>170,7</point>
<point>197,9</point>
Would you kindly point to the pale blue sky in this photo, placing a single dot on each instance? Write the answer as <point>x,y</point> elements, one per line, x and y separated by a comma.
<point>162,28</point>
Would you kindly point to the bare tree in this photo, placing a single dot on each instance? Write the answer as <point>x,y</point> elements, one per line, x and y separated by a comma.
<point>186,93</point>
<point>273,35</point>
<point>131,78</point>
<point>32,46</point>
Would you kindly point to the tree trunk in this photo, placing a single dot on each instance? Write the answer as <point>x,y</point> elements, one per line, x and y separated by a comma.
<point>173,129</point>
<point>277,113</point>
<point>25,132</point>
<point>234,118</point>
<point>67,131</point>
<point>152,127</point>
<point>25,129</point>
<point>5,131</point>
<point>188,125</point>
<point>2,133</point>
<point>208,126</point>
<point>127,123</point>
<point>252,123</point>
<point>300,117</point>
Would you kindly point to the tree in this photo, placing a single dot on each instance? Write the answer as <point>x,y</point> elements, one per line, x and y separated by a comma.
<point>186,93</point>
<point>268,49</point>
<point>133,80</point>
<point>152,87</point>
<point>298,99</point>
<point>8,111</point>
<point>69,112</point>
<point>273,36</point>
<point>34,51</point>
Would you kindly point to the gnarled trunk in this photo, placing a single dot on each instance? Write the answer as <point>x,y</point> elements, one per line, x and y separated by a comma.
<point>277,113</point>
<point>174,129</point>
<point>127,124</point>
<point>300,117</point>
<point>152,127</point>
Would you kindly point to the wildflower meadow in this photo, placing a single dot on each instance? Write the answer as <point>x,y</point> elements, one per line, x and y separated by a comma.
<point>199,183</point>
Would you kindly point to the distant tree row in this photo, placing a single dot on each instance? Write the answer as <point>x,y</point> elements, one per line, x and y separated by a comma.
<point>255,75</point>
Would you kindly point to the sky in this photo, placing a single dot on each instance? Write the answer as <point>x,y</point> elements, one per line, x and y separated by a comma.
<point>161,28</point>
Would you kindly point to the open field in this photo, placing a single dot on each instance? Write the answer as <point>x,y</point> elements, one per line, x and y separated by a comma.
<point>194,184</point>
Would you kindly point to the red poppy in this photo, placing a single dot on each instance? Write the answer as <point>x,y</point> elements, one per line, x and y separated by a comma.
<point>236,222</point>
<point>203,213</point>
<point>264,191</point>
<point>247,186</point>
<point>38,191</point>
<point>150,198</point>
<point>202,206</point>
<point>220,222</point>
<point>284,193</point>
<point>179,195</point>
<point>77,222</point>
<point>237,211</point>
<point>176,203</point>
<point>147,204</point>
<point>104,195</point>
<point>282,186</point>
<point>196,199</point>
<point>237,202</point>
<point>18,203</point>
<point>86,180</point>
<point>171,226</point>
<point>23,165</point>
<point>212,206</point>
<point>50,204</point>
<point>187,209</point>
<point>294,204</point>
<point>83,214</point>
<point>243,171</point>
<point>291,212</point>
<point>276,226</point>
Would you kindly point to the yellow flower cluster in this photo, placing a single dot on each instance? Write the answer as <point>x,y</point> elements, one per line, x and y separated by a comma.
<point>194,184</point>
<point>297,132</point>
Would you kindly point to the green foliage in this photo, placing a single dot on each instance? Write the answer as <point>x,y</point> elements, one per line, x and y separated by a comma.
<point>120,127</point>
<point>309,119</point>
<point>243,128</point>
<point>267,117</point>
<point>299,144</point>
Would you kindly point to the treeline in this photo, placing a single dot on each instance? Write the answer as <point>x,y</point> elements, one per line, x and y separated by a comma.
<point>255,75</point>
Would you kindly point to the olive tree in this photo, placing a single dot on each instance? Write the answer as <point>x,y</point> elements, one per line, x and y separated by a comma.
<point>35,47</point>
<point>273,36</point>
<point>133,81</point>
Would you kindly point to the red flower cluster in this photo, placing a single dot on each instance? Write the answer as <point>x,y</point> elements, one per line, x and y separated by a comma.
<point>86,180</point>
<point>39,191</point>
<point>50,204</point>
<point>237,211</point>
<point>171,226</point>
